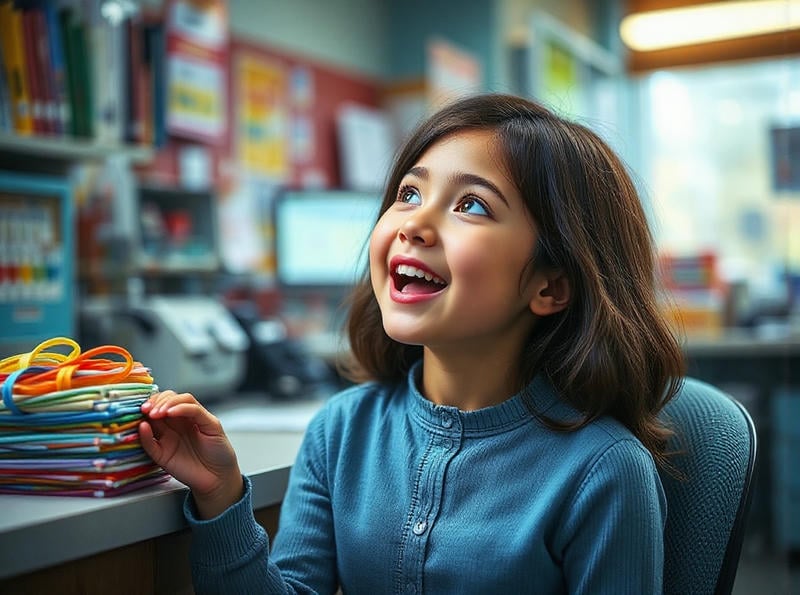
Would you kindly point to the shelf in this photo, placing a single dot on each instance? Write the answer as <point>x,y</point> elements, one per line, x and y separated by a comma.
<point>149,269</point>
<point>168,270</point>
<point>71,149</point>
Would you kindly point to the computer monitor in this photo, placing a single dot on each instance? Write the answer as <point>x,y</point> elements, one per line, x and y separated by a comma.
<point>321,237</point>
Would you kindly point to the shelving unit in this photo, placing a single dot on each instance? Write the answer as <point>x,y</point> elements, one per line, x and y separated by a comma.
<point>69,149</point>
<point>36,280</point>
<point>39,157</point>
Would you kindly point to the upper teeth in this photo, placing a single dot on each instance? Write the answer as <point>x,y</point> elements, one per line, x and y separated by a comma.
<point>409,271</point>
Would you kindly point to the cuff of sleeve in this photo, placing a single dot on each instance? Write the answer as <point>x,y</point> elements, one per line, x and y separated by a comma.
<point>231,536</point>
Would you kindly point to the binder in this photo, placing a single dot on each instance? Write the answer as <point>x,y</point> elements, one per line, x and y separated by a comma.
<point>6,121</point>
<point>33,72</point>
<point>59,68</point>
<point>14,58</point>
<point>42,44</point>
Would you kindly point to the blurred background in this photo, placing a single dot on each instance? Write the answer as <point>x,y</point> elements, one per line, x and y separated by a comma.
<point>194,180</point>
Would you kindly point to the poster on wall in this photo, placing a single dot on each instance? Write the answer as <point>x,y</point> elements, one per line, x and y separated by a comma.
<point>366,147</point>
<point>561,81</point>
<point>572,74</point>
<point>245,232</point>
<point>452,72</point>
<point>197,50</point>
<point>283,112</point>
<point>262,114</point>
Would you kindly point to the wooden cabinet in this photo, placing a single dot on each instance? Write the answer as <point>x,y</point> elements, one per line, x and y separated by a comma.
<point>159,566</point>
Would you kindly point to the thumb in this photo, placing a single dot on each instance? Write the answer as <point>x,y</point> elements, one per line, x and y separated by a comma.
<point>148,441</point>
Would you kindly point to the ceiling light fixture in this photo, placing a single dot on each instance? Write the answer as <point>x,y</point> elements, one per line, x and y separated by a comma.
<point>691,25</point>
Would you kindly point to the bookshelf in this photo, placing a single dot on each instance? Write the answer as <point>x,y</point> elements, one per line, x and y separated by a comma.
<point>76,85</point>
<point>71,149</point>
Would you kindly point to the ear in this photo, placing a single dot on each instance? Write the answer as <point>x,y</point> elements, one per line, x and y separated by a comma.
<point>551,293</point>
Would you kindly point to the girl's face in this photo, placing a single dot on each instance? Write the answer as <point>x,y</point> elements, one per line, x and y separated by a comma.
<point>447,258</point>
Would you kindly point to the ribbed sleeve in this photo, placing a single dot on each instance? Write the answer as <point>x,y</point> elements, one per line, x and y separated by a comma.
<point>227,552</point>
<point>613,536</point>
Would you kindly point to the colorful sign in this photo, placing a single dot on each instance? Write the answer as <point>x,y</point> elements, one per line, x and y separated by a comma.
<point>262,127</point>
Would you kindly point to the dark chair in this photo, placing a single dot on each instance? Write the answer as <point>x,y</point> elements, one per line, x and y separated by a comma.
<point>708,503</point>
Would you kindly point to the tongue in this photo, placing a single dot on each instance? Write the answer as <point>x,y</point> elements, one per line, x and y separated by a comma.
<point>421,287</point>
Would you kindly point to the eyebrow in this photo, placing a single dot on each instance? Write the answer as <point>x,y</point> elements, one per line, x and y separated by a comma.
<point>461,179</point>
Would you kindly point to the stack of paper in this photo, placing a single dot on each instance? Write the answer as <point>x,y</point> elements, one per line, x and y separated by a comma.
<point>81,440</point>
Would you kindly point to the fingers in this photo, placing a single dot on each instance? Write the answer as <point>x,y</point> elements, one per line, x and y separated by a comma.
<point>202,419</point>
<point>158,405</point>
<point>164,407</point>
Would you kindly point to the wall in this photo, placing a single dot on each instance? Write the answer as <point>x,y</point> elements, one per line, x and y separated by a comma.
<point>342,46</point>
<point>468,25</point>
<point>346,33</point>
<point>576,13</point>
<point>386,38</point>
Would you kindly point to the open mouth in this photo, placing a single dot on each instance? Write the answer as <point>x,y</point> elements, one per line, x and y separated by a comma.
<point>411,280</point>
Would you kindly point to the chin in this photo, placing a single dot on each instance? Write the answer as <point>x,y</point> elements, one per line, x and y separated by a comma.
<point>402,335</point>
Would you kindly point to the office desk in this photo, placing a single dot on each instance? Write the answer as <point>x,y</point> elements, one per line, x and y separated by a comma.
<point>739,359</point>
<point>137,543</point>
<point>743,343</point>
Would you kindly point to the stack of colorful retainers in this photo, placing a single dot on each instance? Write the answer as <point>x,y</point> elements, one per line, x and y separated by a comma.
<point>69,422</point>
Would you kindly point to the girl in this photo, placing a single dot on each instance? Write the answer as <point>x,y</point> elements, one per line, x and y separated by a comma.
<point>504,438</point>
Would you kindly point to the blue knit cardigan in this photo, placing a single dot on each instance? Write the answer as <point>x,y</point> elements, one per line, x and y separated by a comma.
<point>393,494</point>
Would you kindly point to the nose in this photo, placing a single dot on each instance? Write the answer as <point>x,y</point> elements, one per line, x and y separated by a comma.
<point>418,228</point>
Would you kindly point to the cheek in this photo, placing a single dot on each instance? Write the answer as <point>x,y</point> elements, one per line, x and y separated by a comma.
<point>474,256</point>
<point>379,241</point>
<point>487,262</point>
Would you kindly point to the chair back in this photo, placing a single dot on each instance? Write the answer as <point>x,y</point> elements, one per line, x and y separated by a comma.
<point>707,506</point>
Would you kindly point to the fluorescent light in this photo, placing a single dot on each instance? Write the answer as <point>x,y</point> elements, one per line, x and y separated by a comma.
<point>660,29</point>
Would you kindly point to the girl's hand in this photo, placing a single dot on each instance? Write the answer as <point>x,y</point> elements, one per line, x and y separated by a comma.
<point>181,436</point>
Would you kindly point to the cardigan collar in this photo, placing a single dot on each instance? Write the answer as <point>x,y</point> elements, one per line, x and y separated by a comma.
<point>535,399</point>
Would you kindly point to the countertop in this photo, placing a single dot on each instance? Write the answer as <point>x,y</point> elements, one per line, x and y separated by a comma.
<point>41,531</point>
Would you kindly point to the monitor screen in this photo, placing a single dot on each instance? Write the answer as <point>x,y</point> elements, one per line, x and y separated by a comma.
<point>321,236</point>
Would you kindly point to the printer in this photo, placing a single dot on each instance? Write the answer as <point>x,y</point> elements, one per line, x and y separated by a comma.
<point>191,343</point>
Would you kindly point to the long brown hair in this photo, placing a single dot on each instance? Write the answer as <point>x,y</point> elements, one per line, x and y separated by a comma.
<point>610,351</point>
